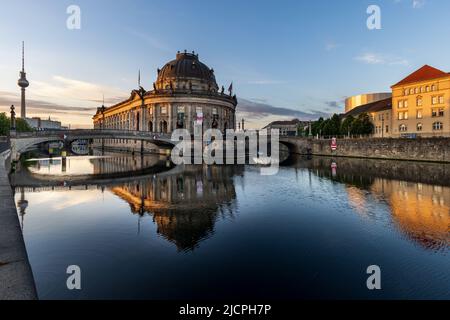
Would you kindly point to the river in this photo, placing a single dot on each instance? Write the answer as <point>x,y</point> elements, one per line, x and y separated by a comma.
<point>141,228</point>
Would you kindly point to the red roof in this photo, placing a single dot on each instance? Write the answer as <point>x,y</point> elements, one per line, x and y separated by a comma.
<point>425,73</point>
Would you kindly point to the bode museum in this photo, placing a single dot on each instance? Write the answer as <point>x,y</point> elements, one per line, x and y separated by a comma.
<point>185,95</point>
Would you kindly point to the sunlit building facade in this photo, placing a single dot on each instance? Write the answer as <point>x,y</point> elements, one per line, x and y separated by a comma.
<point>419,107</point>
<point>421,104</point>
<point>185,95</point>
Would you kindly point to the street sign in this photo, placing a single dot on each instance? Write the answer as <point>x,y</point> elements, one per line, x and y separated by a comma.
<point>334,144</point>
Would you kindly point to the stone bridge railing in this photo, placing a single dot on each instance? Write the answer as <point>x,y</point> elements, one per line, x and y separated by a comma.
<point>21,141</point>
<point>93,134</point>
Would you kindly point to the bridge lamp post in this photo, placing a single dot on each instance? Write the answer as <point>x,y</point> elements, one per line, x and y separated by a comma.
<point>13,119</point>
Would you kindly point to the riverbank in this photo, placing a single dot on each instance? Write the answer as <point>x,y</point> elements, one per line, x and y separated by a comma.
<point>16,277</point>
<point>423,149</point>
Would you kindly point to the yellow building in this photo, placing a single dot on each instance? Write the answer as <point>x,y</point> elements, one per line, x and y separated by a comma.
<point>380,113</point>
<point>421,104</point>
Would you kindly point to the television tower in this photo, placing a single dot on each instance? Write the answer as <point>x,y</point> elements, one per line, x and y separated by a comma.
<point>23,84</point>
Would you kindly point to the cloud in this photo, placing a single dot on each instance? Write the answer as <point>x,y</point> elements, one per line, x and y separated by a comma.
<point>75,90</point>
<point>417,4</point>
<point>67,100</point>
<point>330,46</point>
<point>150,40</point>
<point>259,110</point>
<point>376,58</point>
<point>265,82</point>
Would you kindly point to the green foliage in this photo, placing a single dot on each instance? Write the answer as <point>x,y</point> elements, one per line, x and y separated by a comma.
<point>362,125</point>
<point>328,127</point>
<point>317,126</point>
<point>5,123</point>
<point>332,127</point>
<point>346,126</point>
<point>22,126</point>
<point>335,127</point>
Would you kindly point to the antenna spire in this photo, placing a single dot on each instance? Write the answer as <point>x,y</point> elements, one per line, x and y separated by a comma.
<point>23,56</point>
<point>139,78</point>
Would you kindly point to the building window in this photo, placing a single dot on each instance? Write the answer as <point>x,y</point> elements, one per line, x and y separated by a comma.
<point>419,114</point>
<point>434,100</point>
<point>402,104</point>
<point>400,116</point>
<point>416,90</point>
<point>433,87</point>
<point>437,112</point>
<point>406,92</point>
<point>438,126</point>
<point>419,127</point>
<point>422,89</point>
<point>164,110</point>
<point>419,101</point>
<point>403,128</point>
<point>441,99</point>
<point>387,129</point>
<point>428,88</point>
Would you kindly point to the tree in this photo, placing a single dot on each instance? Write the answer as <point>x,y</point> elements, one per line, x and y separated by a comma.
<point>5,124</point>
<point>333,127</point>
<point>317,126</point>
<point>346,125</point>
<point>362,125</point>
<point>22,126</point>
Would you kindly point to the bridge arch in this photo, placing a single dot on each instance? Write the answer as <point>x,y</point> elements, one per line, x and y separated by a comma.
<point>22,141</point>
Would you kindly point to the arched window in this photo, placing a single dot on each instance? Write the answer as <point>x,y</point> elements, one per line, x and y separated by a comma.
<point>164,126</point>
<point>419,101</point>
<point>438,126</point>
<point>403,128</point>
<point>150,126</point>
<point>137,122</point>
<point>419,127</point>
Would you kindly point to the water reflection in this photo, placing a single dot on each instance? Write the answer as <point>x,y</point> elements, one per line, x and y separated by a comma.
<point>308,232</point>
<point>184,206</point>
<point>419,203</point>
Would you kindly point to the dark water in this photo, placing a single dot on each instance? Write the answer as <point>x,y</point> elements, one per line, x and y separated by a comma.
<point>227,232</point>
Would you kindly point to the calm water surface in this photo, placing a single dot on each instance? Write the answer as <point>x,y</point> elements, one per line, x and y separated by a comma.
<point>227,232</point>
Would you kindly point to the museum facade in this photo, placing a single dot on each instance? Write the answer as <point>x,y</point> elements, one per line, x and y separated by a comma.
<point>185,95</point>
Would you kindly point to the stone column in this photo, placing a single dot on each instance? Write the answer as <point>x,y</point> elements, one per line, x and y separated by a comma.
<point>143,117</point>
<point>155,124</point>
<point>170,113</point>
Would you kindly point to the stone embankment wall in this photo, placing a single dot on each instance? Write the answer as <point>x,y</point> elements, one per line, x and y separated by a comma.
<point>16,278</point>
<point>424,149</point>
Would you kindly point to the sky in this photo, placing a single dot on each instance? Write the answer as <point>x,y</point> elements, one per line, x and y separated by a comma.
<point>286,59</point>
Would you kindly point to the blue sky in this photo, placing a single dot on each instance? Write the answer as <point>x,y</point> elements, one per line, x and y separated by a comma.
<point>284,57</point>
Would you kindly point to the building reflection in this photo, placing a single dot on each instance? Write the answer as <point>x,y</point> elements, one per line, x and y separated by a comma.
<point>184,206</point>
<point>417,195</point>
<point>419,210</point>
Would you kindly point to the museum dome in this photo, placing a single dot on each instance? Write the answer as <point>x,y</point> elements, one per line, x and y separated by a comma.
<point>186,69</point>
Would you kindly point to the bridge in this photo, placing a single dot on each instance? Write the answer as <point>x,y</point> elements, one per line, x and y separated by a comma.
<point>21,141</point>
